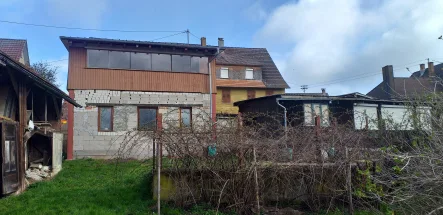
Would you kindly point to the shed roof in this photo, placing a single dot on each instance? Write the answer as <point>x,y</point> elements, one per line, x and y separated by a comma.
<point>43,83</point>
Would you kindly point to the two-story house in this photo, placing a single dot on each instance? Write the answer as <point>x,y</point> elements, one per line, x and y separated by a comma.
<point>244,73</point>
<point>124,85</point>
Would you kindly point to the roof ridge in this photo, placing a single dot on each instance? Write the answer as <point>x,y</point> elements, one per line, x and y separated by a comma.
<point>13,39</point>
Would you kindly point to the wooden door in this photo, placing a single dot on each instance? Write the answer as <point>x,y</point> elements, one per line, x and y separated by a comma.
<point>9,155</point>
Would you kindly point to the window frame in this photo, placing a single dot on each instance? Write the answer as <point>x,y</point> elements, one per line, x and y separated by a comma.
<point>224,91</point>
<point>252,73</point>
<point>138,117</point>
<point>112,119</point>
<point>190,116</point>
<point>221,72</point>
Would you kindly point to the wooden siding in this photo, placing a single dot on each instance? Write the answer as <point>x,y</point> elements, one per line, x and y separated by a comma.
<point>238,94</point>
<point>80,77</point>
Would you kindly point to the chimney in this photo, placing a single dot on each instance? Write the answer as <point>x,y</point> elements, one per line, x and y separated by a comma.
<point>221,42</point>
<point>422,69</point>
<point>388,81</point>
<point>323,91</point>
<point>431,72</point>
<point>203,41</point>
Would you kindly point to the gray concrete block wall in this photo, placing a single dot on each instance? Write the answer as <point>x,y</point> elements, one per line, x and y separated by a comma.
<point>89,142</point>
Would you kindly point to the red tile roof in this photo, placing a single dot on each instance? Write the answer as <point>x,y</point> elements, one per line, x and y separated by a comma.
<point>12,47</point>
<point>239,83</point>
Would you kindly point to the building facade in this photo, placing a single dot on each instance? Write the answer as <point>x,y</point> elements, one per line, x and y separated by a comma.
<point>124,86</point>
<point>244,73</point>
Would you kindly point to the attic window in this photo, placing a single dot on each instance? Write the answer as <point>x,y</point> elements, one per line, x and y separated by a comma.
<point>224,73</point>
<point>249,74</point>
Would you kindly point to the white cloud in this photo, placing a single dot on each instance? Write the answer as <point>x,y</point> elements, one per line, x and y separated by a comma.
<point>85,13</point>
<point>326,40</point>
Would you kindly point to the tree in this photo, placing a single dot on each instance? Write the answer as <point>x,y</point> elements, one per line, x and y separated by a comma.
<point>47,71</point>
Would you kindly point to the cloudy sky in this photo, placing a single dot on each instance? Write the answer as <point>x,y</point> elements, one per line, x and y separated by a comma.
<point>339,45</point>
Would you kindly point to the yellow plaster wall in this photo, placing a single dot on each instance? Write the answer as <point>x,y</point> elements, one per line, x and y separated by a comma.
<point>238,94</point>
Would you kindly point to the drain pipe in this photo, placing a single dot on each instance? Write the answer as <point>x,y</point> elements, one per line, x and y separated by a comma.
<point>285,111</point>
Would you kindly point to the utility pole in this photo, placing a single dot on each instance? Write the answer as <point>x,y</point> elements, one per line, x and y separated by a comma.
<point>304,88</point>
<point>187,34</point>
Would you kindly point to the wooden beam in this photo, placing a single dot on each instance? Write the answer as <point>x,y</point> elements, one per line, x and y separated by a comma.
<point>57,110</point>
<point>13,81</point>
<point>22,126</point>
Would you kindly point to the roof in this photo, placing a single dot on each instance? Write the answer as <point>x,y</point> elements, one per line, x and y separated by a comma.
<point>66,40</point>
<point>239,83</point>
<point>437,68</point>
<point>320,97</point>
<point>254,57</point>
<point>405,88</point>
<point>46,85</point>
<point>12,47</point>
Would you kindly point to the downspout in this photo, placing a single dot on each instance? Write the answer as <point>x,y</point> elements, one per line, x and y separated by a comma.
<point>285,111</point>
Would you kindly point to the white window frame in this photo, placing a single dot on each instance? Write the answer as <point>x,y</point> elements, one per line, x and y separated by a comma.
<point>224,73</point>
<point>251,72</point>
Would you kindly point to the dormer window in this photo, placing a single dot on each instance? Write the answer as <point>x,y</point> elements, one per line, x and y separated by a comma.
<point>249,74</point>
<point>224,73</point>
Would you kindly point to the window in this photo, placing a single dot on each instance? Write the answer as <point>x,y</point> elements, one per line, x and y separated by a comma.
<point>224,73</point>
<point>199,64</point>
<point>147,118</point>
<point>226,96</point>
<point>185,117</point>
<point>141,61</point>
<point>181,63</point>
<point>251,94</point>
<point>249,74</point>
<point>105,118</point>
<point>119,60</point>
<point>98,58</point>
<point>269,92</point>
<point>311,111</point>
<point>161,62</point>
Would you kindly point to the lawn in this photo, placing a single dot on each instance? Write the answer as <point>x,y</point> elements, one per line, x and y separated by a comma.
<point>92,187</point>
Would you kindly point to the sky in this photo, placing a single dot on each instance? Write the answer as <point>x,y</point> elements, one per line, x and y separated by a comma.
<point>339,45</point>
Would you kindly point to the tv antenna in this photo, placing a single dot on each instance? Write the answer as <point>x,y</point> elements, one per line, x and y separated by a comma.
<point>304,88</point>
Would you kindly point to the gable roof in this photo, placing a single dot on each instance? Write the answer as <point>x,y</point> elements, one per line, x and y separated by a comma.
<point>438,69</point>
<point>405,88</point>
<point>253,57</point>
<point>12,47</point>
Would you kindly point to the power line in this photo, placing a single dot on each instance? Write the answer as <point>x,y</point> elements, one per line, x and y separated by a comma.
<point>194,35</point>
<point>83,29</point>
<point>167,36</point>
<point>57,60</point>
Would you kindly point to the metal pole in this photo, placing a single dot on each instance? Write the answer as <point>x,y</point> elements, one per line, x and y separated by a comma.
<point>158,175</point>
<point>257,194</point>
<point>187,34</point>
<point>349,181</point>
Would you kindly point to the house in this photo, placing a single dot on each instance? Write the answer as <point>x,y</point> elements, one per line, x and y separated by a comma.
<point>355,110</point>
<point>244,73</point>
<point>125,86</point>
<point>420,83</point>
<point>26,97</point>
<point>16,49</point>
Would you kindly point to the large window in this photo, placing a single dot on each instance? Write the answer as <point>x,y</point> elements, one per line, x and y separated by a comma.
<point>146,61</point>
<point>119,60</point>
<point>98,58</point>
<point>161,62</point>
<point>185,117</point>
<point>141,61</point>
<point>147,118</point>
<point>105,118</point>
<point>181,63</point>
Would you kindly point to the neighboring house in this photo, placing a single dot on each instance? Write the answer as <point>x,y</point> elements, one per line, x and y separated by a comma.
<point>420,83</point>
<point>356,110</point>
<point>125,85</point>
<point>16,49</point>
<point>245,73</point>
<point>25,96</point>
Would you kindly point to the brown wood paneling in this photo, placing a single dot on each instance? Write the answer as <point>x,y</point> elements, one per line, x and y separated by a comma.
<point>251,94</point>
<point>80,77</point>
